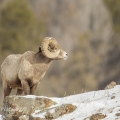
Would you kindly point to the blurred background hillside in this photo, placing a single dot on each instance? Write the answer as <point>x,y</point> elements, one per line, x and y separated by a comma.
<point>88,30</point>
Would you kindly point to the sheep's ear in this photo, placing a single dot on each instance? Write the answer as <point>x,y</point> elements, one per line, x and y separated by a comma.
<point>40,50</point>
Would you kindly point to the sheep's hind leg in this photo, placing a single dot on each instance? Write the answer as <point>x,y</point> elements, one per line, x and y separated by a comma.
<point>26,87</point>
<point>19,92</point>
<point>7,90</point>
<point>6,87</point>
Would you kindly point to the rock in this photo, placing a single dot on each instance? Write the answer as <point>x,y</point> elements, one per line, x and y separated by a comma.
<point>111,85</point>
<point>117,114</point>
<point>58,112</point>
<point>20,107</point>
<point>61,110</point>
<point>113,97</point>
<point>36,118</point>
<point>24,108</point>
<point>97,116</point>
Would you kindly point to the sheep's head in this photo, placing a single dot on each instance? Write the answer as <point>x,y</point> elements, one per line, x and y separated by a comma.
<point>51,49</point>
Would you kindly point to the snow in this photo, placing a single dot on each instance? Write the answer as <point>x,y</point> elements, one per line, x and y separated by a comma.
<point>88,104</point>
<point>0,117</point>
<point>91,103</point>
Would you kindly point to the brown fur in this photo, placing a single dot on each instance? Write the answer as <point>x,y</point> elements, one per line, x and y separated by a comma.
<point>24,71</point>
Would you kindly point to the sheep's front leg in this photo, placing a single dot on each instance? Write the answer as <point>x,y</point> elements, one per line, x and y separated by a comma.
<point>19,91</point>
<point>26,87</point>
<point>33,88</point>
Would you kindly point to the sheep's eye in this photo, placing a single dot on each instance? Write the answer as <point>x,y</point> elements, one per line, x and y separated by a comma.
<point>48,48</point>
<point>56,48</point>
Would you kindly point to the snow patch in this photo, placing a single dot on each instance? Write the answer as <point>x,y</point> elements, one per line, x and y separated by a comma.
<point>106,102</point>
<point>1,117</point>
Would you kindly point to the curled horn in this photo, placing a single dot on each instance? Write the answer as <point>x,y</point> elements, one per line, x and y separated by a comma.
<point>49,47</point>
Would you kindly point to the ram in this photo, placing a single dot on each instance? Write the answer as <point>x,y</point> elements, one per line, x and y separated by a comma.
<point>24,71</point>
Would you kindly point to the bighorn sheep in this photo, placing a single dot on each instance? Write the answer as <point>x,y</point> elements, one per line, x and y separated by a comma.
<point>24,71</point>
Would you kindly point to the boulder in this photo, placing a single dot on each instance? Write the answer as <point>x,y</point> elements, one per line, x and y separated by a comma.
<point>111,85</point>
<point>32,107</point>
<point>20,107</point>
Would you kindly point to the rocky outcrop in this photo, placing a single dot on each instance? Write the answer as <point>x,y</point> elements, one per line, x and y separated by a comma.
<point>21,107</point>
<point>58,111</point>
<point>111,85</point>
<point>98,116</point>
<point>28,107</point>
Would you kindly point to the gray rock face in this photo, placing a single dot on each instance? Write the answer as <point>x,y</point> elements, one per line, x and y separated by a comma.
<point>111,85</point>
<point>24,108</point>
<point>20,108</point>
<point>58,112</point>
